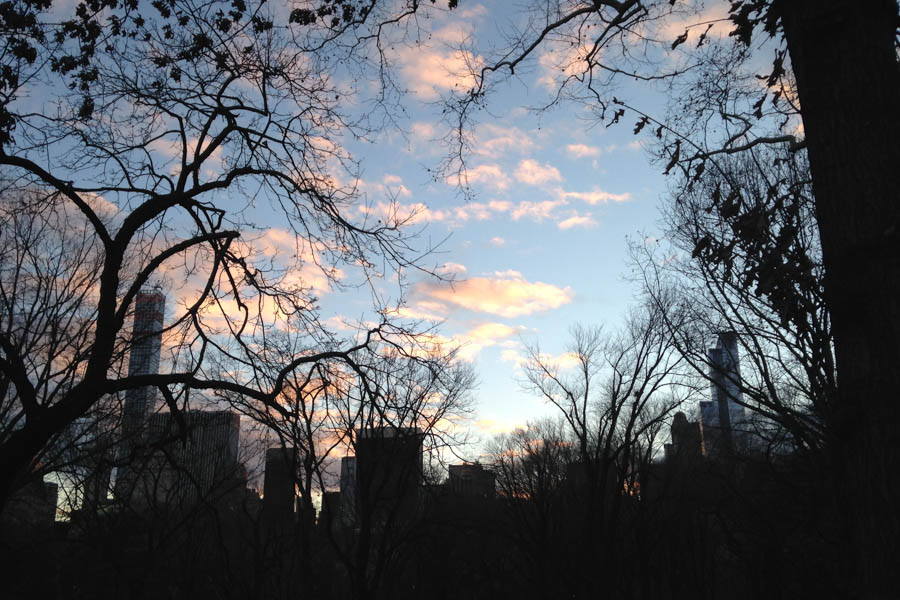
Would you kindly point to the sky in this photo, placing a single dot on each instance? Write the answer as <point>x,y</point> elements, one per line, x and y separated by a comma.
<point>539,243</point>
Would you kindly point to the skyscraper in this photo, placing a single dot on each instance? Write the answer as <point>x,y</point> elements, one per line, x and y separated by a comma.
<point>199,463</point>
<point>279,488</point>
<point>722,418</point>
<point>384,479</point>
<point>146,341</point>
<point>471,481</point>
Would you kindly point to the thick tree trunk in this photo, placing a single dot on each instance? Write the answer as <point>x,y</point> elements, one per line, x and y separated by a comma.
<point>845,63</point>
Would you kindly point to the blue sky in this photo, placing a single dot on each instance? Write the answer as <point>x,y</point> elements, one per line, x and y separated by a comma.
<point>539,243</point>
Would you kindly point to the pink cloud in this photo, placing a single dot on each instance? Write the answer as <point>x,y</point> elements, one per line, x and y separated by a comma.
<point>430,71</point>
<point>495,141</point>
<point>583,150</point>
<point>506,294</point>
<point>595,196</point>
<point>537,210</point>
<point>491,175</point>
<point>577,221</point>
<point>532,172</point>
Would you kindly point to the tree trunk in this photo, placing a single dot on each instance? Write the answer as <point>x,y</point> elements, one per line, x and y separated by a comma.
<point>845,62</point>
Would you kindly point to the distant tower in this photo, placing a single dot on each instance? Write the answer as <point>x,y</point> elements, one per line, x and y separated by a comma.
<point>389,471</point>
<point>146,341</point>
<point>384,479</point>
<point>686,439</point>
<point>348,490</point>
<point>471,481</point>
<point>279,486</point>
<point>201,466</point>
<point>722,417</point>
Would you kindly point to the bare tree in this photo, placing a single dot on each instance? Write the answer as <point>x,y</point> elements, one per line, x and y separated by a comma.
<point>836,67</point>
<point>182,120</point>
<point>744,256</point>
<point>407,407</point>
<point>615,393</point>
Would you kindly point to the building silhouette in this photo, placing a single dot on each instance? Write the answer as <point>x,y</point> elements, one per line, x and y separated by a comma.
<point>146,342</point>
<point>722,417</point>
<point>279,486</point>
<point>686,444</point>
<point>184,463</point>
<point>471,481</point>
<point>383,482</point>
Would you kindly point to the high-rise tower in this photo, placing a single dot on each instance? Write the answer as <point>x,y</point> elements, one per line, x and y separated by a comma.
<point>722,418</point>
<point>146,341</point>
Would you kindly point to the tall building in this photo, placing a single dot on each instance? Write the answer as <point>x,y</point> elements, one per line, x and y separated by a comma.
<point>686,444</point>
<point>722,417</point>
<point>181,468</point>
<point>279,486</point>
<point>471,481</point>
<point>383,481</point>
<point>348,490</point>
<point>146,341</point>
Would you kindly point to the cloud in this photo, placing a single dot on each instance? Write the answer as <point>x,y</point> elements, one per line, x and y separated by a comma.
<point>299,256</point>
<point>490,174</point>
<point>532,172</point>
<point>537,211</point>
<point>583,150</point>
<point>559,62</point>
<point>594,197</point>
<point>472,342</point>
<point>423,131</point>
<point>467,344</point>
<point>577,221</point>
<point>428,71</point>
<point>512,355</point>
<point>452,268</point>
<point>494,427</point>
<point>417,212</point>
<point>495,141</point>
<point>394,186</point>
<point>498,241</point>
<point>471,11</point>
<point>505,294</point>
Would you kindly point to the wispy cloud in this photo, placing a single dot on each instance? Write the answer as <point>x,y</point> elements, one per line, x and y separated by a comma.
<point>532,172</point>
<point>583,150</point>
<point>494,141</point>
<point>577,221</point>
<point>505,294</point>
<point>537,211</point>
<point>490,175</point>
<point>415,213</point>
<point>593,197</point>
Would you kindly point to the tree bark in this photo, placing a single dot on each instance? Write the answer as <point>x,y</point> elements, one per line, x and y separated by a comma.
<point>845,62</point>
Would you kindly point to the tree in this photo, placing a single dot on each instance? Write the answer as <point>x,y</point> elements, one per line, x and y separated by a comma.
<point>581,480</point>
<point>843,60</point>
<point>406,408</point>
<point>743,256</point>
<point>531,465</point>
<point>170,129</point>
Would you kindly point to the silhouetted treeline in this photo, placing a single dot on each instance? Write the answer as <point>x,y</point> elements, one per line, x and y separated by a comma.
<point>737,527</point>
